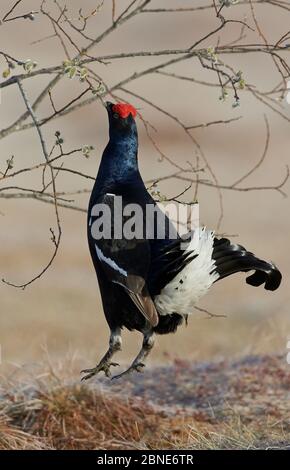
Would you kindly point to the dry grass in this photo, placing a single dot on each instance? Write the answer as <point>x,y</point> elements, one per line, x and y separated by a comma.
<point>241,405</point>
<point>77,417</point>
<point>13,438</point>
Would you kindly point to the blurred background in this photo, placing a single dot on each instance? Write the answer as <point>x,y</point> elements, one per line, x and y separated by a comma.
<point>62,312</point>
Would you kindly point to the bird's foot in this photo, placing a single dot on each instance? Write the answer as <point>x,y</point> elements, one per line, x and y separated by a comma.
<point>102,366</point>
<point>138,367</point>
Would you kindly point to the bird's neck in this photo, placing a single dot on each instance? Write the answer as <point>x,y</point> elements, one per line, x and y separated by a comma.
<point>119,163</point>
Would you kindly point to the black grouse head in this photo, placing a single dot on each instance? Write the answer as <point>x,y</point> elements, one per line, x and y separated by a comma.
<point>121,118</point>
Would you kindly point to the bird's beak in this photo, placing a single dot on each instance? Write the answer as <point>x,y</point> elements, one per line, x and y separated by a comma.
<point>108,105</point>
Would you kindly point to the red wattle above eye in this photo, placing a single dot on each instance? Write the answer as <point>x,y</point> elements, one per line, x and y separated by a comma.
<point>124,109</point>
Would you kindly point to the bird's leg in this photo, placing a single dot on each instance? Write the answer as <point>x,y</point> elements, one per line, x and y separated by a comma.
<point>138,363</point>
<point>105,363</point>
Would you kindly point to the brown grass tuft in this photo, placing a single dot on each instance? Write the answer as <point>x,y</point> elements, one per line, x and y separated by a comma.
<point>79,417</point>
<point>13,438</point>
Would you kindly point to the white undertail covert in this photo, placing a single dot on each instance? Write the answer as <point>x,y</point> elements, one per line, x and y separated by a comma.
<point>182,293</point>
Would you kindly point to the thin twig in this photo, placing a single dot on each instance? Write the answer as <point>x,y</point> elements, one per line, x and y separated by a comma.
<point>55,239</point>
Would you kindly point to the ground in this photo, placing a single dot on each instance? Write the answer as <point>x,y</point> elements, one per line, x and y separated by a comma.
<point>224,404</point>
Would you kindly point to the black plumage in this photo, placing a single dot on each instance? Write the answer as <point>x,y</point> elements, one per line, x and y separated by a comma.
<point>230,259</point>
<point>135,274</point>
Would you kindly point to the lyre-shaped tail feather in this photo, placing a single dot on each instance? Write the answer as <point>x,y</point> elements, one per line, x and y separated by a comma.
<point>231,258</point>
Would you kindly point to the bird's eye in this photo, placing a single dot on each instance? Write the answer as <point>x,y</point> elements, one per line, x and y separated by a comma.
<point>115,115</point>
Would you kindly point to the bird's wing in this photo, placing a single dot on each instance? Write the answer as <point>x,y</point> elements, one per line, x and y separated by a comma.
<point>171,260</point>
<point>146,306</point>
<point>126,262</point>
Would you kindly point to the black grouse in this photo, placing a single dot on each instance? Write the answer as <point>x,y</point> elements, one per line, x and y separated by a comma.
<point>150,283</point>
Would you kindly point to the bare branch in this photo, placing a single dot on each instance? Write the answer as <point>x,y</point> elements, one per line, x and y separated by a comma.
<point>55,239</point>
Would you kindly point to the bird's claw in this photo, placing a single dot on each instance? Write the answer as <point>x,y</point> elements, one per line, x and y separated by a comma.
<point>138,367</point>
<point>103,366</point>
